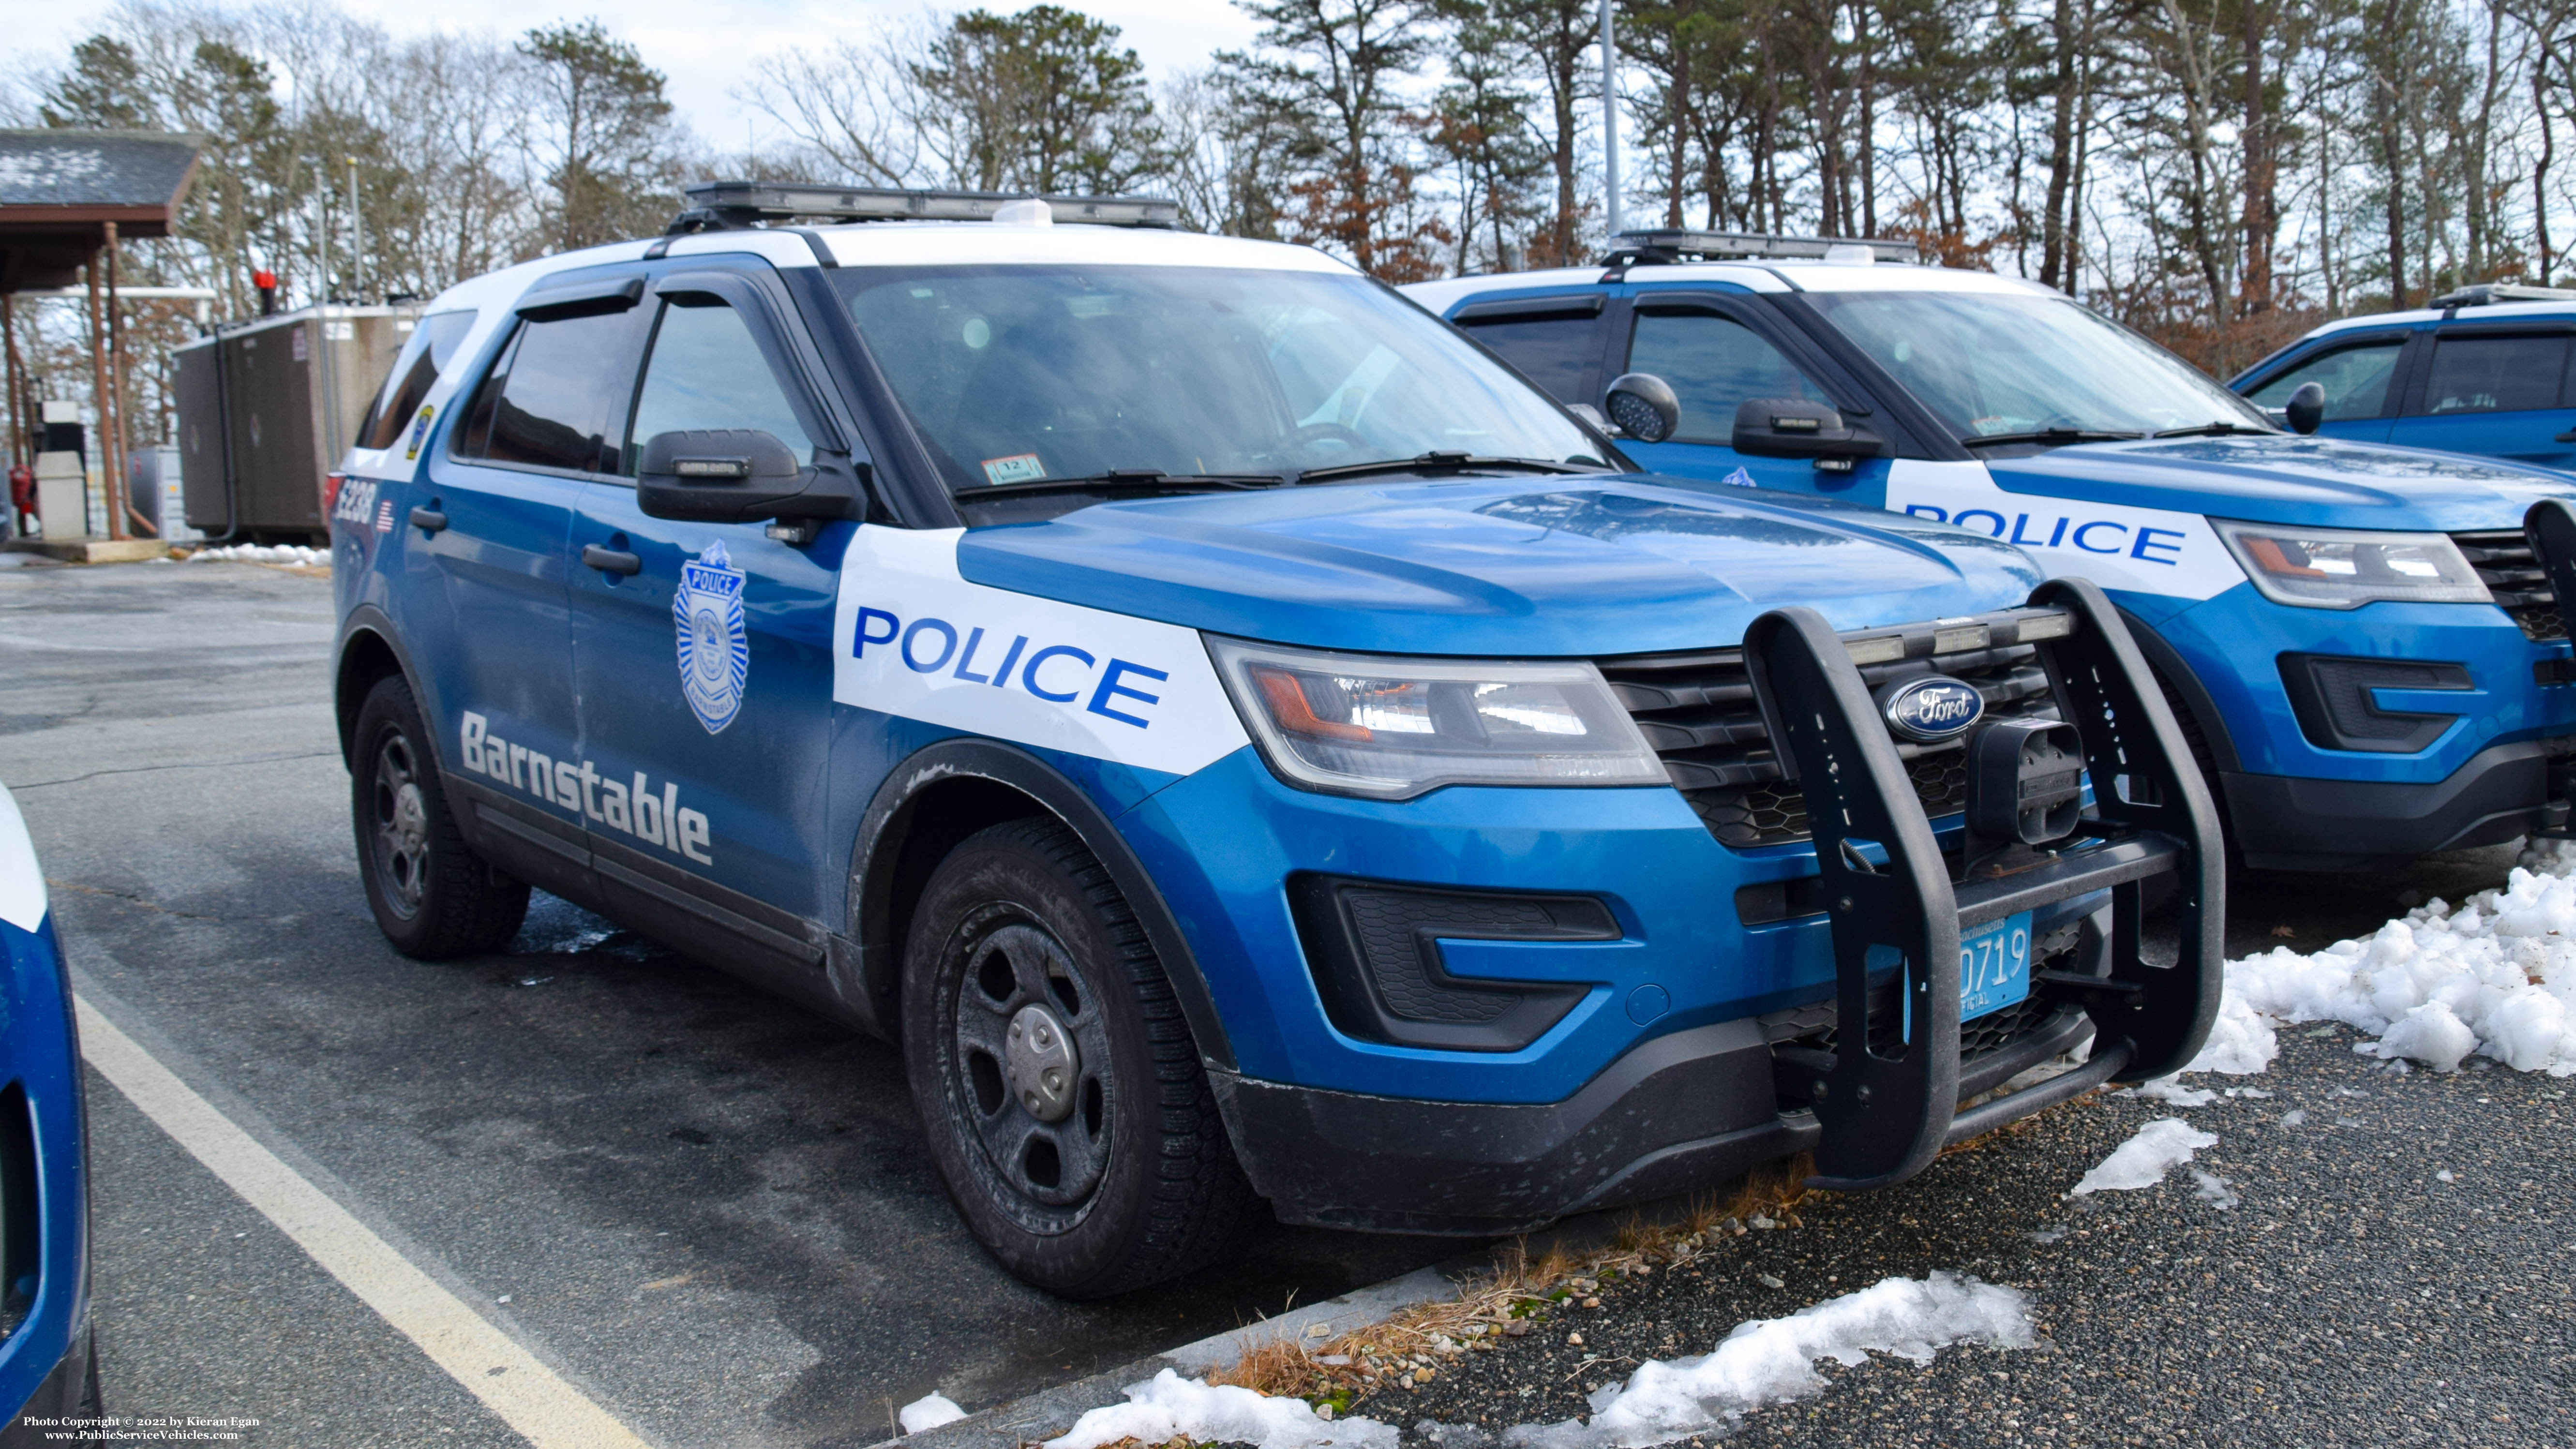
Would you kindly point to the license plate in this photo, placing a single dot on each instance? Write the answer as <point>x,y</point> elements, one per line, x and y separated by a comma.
<point>1994,966</point>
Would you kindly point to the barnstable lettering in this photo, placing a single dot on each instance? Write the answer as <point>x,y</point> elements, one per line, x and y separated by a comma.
<point>630,808</point>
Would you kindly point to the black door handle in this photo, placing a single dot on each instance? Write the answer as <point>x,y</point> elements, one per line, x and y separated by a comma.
<point>610,561</point>
<point>428,520</point>
<point>2568,436</point>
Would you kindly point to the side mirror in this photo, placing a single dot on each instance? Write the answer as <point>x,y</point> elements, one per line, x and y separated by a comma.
<point>733,475</point>
<point>1644,406</point>
<point>2306,408</point>
<point>1788,427</point>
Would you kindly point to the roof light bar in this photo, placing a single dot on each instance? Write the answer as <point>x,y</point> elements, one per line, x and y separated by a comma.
<point>734,205</point>
<point>1689,244</point>
<point>2484,293</point>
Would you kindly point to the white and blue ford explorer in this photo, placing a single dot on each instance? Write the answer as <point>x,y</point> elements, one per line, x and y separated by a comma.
<point>1242,742</point>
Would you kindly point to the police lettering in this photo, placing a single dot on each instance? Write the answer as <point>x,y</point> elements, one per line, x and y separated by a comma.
<point>2098,535</point>
<point>1057,673</point>
<point>636,809</point>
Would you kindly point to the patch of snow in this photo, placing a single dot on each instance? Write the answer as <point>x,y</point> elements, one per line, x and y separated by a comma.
<point>2143,1160</point>
<point>2444,1176</point>
<point>1171,1406</point>
<point>2257,1093</point>
<point>929,1413</point>
<point>2214,1189</point>
<point>2170,1089</point>
<point>1770,1360</point>
<point>2494,977</point>
<point>281,553</point>
<point>2293,1117</point>
<point>2241,1043</point>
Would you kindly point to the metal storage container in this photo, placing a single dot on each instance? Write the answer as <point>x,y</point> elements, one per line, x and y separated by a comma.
<point>267,407</point>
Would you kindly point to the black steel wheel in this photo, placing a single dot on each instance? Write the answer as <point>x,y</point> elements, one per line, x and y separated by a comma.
<point>433,897</point>
<point>1067,1112</point>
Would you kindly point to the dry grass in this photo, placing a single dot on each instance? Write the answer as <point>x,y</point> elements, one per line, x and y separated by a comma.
<point>1519,1292</point>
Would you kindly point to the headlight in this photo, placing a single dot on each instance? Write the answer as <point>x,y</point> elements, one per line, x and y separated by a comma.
<point>1390,728</point>
<point>2342,568</point>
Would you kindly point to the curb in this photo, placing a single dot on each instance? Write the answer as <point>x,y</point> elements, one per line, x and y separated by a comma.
<point>1049,1412</point>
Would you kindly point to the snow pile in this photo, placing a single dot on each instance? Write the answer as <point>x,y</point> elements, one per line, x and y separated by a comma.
<point>282,553</point>
<point>929,1413</point>
<point>2143,1160</point>
<point>2495,976</point>
<point>1770,1360</point>
<point>1171,1406</point>
<point>2170,1089</point>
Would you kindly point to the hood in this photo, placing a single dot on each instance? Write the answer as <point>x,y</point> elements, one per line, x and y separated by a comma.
<point>2319,481</point>
<point>1571,565</point>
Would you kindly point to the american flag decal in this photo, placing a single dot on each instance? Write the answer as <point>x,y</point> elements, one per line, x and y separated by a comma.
<point>385,516</point>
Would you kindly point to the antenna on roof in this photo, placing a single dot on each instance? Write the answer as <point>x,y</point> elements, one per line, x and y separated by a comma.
<point>737,205</point>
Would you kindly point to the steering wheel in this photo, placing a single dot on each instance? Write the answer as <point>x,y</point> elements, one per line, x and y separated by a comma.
<point>1313,433</point>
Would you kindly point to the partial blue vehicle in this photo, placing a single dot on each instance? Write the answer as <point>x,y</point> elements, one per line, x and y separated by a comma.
<point>48,1358</point>
<point>2360,640</point>
<point>1250,750</point>
<point>2483,370</point>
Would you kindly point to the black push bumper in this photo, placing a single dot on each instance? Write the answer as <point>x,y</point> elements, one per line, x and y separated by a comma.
<point>1695,1108</point>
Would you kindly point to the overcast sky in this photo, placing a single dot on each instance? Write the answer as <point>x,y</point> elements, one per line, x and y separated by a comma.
<point>704,48</point>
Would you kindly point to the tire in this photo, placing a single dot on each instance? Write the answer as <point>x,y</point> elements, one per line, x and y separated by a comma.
<point>433,896</point>
<point>1133,1180</point>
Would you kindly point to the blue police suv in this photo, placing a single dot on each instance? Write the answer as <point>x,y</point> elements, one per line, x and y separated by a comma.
<point>48,1364</point>
<point>2362,643</point>
<point>2482,370</point>
<point>1239,740</point>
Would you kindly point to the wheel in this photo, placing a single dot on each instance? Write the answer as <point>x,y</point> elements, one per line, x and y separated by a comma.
<point>432,895</point>
<point>1067,1113</point>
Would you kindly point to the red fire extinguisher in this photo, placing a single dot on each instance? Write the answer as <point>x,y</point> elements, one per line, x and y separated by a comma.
<point>22,492</point>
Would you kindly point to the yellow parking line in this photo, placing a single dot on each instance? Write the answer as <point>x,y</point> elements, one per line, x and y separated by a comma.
<point>528,1396</point>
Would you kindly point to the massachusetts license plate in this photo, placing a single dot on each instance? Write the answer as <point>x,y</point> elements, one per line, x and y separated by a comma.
<point>1994,966</point>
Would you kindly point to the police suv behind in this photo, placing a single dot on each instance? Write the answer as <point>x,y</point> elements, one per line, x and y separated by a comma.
<point>1240,741</point>
<point>2363,643</point>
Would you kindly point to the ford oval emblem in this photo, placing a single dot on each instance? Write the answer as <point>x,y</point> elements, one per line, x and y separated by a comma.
<point>1931,708</point>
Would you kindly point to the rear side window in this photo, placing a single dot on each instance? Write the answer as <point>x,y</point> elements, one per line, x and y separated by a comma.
<point>2495,374</point>
<point>2355,380</point>
<point>547,400</point>
<point>423,358</point>
<point>1556,351</point>
<point>1714,364</point>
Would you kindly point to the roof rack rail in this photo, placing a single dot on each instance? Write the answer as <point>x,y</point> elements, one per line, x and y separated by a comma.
<point>1689,244</point>
<point>2483,293</point>
<point>735,205</point>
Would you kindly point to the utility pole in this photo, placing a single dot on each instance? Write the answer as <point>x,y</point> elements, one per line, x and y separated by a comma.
<point>1610,122</point>
<point>357,224</point>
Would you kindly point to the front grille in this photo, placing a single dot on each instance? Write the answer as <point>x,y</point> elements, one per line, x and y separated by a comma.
<point>2505,563</point>
<point>1699,713</point>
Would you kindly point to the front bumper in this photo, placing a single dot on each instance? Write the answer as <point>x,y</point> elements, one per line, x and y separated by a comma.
<point>1684,1112</point>
<point>2284,822</point>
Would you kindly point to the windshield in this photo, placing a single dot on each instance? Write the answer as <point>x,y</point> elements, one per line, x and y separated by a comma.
<point>1023,374</point>
<point>1993,365</point>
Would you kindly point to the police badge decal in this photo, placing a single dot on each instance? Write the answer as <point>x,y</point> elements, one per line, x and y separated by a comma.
<point>715,660</point>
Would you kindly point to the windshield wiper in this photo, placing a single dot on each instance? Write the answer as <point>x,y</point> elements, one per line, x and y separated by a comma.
<point>2053,435</point>
<point>1437,462</point>
<point>2205,429</point>
<point>1122,480</point>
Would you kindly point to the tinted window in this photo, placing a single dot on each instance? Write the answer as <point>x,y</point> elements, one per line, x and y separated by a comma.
<point>547,401</point>
<point>2355,379</point>
<point>706,371</point>
<point>1556,352</point>
<point>424,357</point>
<point>2495,374</point>
<point>1714,363</point>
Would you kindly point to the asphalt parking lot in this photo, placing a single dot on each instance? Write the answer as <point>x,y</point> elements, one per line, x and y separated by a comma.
<point>709,1210</point>
<point>705,1207</point>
